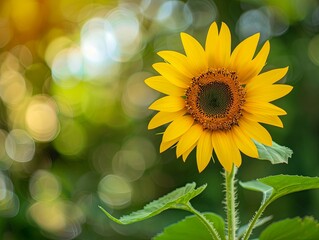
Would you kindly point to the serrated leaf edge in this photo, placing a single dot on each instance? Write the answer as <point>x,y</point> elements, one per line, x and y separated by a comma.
<point>178,203</point>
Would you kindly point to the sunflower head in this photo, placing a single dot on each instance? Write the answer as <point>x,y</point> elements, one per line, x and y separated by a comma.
<point>216,98</point>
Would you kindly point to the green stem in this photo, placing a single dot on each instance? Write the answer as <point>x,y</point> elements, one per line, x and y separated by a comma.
<point>209,225</point>
<point>254,220</point>
<point>230,203</point>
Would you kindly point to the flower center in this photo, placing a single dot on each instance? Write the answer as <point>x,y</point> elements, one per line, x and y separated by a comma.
<point>215,99</point>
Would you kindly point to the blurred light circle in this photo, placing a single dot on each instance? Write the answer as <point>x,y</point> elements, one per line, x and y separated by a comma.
<point>54,47</point>
<point>20,146</point>
<point>72,138</point>
<point>150,8</point>
<point>6,187</point>
<point>102,73</point>
<point>174,15</point>
<point>254,21</point>
<point>125,26</point>
<point>42,211</point>
<point>115,191</point>
<point>41,118</point>
<point>9,62</point>
<point>23,54</point>
<point>313,50</point>
<point>279,21</point>
<point>12,87</point>
<point>204,12</point>
<point>96,42</point>
<point>125,32</point>
<point>9,202</point>
<point>10,205</point>
<point>59,218</point>
<point>98,45</point>
<point>99,161</point>
<point>75,62</point>
<point>129,164</point>
<point>44,186</point>
<point>143,146</point>
<point>137,96</point>
<point>61,72</point>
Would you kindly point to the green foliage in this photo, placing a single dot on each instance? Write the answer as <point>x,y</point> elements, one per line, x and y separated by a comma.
<point>211,226</point>
<point>275,153</point>
<point>295,228</point>
<point>178,199</point>
<point>192,228</point>
<point>274,187</point>
<point>259,223</point>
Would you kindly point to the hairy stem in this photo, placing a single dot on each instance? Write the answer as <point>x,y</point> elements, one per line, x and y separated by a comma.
<point>230,202</point>
<point>253,221</point>
<point>209,225</point>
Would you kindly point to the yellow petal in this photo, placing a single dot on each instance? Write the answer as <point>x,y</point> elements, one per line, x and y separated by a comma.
<point>268,119</point>
<point>266,78</point>
<point>178,60</point>
<point>268,93</point>
<point>177,128</point>
<point>244,143</point>
<point>255,131</point>
<point>244,53</point>
<point>162,118</point>
<point>168,104</point>
<point>188,139</point>
<point>211,46</point>
<point>253,68</point>
<point>204,150</point>
<point>263,108</point>
<point>185,154</point>
<point>223,47</point>
<point>166,145</point>
<point>172,75</point>
<point>195,53</point>
<point>226,150</point>
<point>162,85</point>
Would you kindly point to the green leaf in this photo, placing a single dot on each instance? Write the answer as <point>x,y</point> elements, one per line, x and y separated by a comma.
<point>259,223</point>
<point>191,228</point>
<point>274,187</point>
<point>295,228</point>
<point>275,153</point>
<point>177,199</point>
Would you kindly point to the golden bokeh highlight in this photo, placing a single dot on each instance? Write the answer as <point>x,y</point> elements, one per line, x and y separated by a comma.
<point>60,219</point>
<point>41,118</point>
<point>44,186</point>
<point>12,87</point>
<point>115,191</point>
<point>20,146</point>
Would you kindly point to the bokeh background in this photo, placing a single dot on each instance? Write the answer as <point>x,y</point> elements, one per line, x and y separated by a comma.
<point>73,111</point>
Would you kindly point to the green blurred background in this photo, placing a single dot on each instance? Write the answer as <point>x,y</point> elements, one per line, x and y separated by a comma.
<point>74,115</point>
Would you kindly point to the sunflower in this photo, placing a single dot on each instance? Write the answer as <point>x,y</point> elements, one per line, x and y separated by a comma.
<point>216,98</point>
